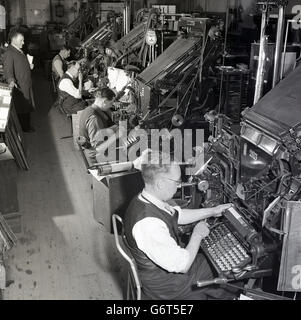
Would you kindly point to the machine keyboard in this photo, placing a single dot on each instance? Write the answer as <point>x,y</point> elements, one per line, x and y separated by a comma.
<point>224,249</point>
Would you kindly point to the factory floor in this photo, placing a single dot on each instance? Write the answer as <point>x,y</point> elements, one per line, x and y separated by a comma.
<point>62,252</point>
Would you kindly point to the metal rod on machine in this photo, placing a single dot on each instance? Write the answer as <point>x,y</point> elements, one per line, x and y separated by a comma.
<point>279,46</point>
<point>285,48</point>
<point>124,19</point>
<point>127,17</point>
<point>262,56</point>
<point>224,57</point>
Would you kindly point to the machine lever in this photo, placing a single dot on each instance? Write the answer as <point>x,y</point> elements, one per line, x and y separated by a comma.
<point>201,284</point>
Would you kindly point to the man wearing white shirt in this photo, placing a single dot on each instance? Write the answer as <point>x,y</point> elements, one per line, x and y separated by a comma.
<point>70,89</point>
<point>167,270</point>
<point>59,63</point>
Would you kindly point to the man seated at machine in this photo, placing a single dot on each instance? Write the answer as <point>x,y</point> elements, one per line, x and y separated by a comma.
<point>168,271</point>
<point>70,89</point>
<point>96,123</point>
<point>59,63</point>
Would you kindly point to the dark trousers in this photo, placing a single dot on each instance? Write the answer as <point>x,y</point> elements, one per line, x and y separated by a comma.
<point>179,286</point>
<point>24,119</point>
<point>73,109</point>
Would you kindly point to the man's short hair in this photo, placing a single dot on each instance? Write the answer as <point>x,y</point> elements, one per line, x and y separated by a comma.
<point>71,63</point>
<point>65,47</point>
<point>105,93</point>
<point>153,164</point>
<point>14,33</point>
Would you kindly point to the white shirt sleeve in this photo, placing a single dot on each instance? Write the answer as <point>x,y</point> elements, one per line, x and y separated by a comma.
<point>153,238</point>
<point>57,66</point>
<point>66,85</point>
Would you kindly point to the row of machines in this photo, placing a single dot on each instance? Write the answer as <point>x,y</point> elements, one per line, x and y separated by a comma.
<point>255,166</point>
<point>170,85</point>
<point>172,88</point>
<point>164,80</point>
<point>101,50</point>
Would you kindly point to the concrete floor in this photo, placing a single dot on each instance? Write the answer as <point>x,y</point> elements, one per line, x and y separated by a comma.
<point>62,252</point>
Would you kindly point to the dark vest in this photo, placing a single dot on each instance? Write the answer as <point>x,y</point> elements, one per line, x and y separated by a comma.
<point>68,100</point>
<point>156,281</point>
<point>137,211</point>
<point>104,121</point>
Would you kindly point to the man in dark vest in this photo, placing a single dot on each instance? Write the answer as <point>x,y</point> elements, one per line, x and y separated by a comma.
<point>17,72</point>
<point>59,63</point>
<point>96,123</point>
<point>167,270</point>
<point>70,89</point>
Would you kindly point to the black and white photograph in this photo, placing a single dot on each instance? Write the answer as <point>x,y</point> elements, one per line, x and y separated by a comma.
<point>150,151</point>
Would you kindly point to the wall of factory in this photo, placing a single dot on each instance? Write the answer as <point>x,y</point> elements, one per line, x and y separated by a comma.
<point>216,5</point>
<point>37,12</point>
<point>188,5</point>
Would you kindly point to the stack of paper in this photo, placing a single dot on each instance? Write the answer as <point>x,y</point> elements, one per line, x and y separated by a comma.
<point>5,100</point>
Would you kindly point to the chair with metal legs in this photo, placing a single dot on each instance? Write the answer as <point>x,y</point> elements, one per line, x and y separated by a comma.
<point>133,282</point>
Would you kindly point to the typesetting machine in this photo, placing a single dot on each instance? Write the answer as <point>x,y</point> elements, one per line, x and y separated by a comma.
<point>256,167</point>
<point>165,83</point>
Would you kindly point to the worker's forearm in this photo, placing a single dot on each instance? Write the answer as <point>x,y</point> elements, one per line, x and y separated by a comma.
<point>60,73</point>
<point>100,135</point>
<point>101,148</point>
<point>80,89</point>
<point>193,215</point>
<point>193,248</point>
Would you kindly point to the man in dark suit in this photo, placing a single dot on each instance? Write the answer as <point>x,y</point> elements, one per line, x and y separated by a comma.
<point>17,72</point>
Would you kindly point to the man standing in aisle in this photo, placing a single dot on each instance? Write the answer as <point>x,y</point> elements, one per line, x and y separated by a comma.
<point>17,72</point>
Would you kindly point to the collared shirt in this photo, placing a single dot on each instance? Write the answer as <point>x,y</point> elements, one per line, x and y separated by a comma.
<point>153,238</point>
<point>20,50</point>
<point>67,85</point>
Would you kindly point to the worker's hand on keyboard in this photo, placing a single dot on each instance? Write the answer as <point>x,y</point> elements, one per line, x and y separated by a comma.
<point>201,229</point>
<point>217,211</point>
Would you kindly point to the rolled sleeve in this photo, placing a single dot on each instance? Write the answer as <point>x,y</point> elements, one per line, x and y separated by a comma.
<point>66,85</point>
<point>153,238</point>
<point>58,67</point>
